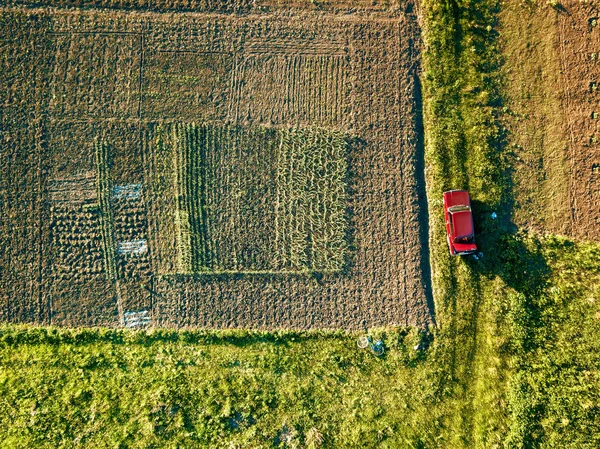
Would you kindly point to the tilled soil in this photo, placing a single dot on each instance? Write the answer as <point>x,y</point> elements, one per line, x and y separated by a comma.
<point>579,47</point>
<point>87,212</point>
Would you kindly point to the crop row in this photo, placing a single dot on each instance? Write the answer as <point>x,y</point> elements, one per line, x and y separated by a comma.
<point>224,6</point>
<point>189,218</point>
<point>106,221</point>
<point>311,199</point>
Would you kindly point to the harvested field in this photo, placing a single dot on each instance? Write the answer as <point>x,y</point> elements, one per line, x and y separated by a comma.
<point>579,49</point>
<point>552,59</point>
<point>258,169</point>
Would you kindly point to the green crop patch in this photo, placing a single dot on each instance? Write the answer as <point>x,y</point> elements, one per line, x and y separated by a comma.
<point>256,199</point>
<point>103,187</point>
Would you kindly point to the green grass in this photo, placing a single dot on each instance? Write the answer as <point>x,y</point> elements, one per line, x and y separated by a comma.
<point>464,150</point>
<point>103,388</point>
<point>520,325</point>
<point>555,318</point>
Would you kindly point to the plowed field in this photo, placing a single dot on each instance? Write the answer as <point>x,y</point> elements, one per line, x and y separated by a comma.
<point>552,61</point>
<point>579,53</point>
<point>232,165</point>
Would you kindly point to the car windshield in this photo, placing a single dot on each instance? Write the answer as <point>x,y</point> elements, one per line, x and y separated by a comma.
<point>463,239</point>
<point>458,208</point>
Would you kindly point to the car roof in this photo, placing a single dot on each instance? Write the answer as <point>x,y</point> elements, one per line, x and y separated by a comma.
<point>463,224</point>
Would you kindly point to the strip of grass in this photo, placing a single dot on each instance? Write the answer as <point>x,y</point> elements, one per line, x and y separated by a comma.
<point>167,389</point>
<point>521,324</point>
<point>464,150</point>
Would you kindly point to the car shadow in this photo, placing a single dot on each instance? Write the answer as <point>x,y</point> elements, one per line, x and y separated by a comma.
<point>507,252</point>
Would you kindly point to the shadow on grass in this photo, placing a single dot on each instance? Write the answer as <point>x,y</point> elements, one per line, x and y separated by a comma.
<point>423,210</point>
<point>508,253</point>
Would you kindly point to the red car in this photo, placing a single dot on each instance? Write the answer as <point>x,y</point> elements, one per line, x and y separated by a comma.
<point>459,222</point>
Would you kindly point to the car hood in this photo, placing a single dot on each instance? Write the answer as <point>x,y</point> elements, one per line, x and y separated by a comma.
<point>457,198</point>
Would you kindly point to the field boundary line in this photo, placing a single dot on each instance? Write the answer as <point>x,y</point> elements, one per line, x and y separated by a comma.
<point>402,141</point>
<point>94,33</point>
<point>206,274</point>
<point>40,205</point>
<point>197,52</point>
<point>141,79</point>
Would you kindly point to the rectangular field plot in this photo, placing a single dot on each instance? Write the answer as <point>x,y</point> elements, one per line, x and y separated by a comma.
<point>256,199</point>
<point>277,84</point>
<point>186,84</point>
<point>77,241</point>
<point>96,75</point>
<point>581,101</point>
<point>261,169</point>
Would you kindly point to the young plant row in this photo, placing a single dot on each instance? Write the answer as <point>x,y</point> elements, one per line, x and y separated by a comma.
<point>106,220</point>
<point>189,151</point>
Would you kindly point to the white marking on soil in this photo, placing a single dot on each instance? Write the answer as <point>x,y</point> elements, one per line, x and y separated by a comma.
<point>136,319</point>
<point>132,247</point>
<point>127,191</point>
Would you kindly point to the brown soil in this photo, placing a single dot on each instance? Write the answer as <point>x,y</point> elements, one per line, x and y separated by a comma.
<point>551,59</point>
<point>579,49</point>
<point>87,208</point>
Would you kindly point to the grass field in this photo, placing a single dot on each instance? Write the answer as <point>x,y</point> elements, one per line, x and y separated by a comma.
<point>101,388</point>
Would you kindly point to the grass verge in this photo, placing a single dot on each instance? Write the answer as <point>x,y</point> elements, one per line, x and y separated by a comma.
<point>233,389</point>
<point>520,325</point>
<point>464,142</point>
